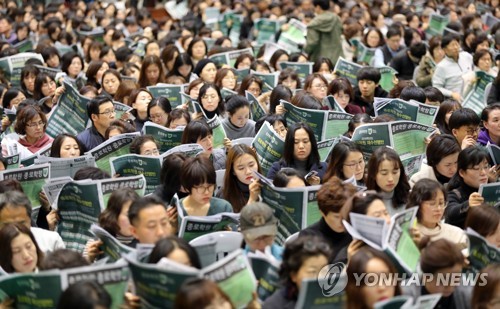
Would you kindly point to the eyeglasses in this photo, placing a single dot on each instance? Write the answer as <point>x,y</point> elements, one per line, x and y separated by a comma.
<point>108,112</point>
<point>354,165</point>
<point>435,206</point>
<point>320,86</point>
<point>479,168</point>
<point>35,124</point>
<point>157,116</point>
<point>203,189</point>
<point>152,152</point>
<point>206,97</point>
<point>471,131</point>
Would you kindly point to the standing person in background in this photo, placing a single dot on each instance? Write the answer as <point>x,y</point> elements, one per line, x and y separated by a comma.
<point>323,33</point>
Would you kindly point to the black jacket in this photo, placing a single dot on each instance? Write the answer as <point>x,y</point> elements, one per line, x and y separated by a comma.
<point>458,205</point>
<point>366,106</point>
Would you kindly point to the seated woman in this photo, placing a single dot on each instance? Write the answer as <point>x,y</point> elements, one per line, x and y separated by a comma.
<point>144,145</point>
<point>45,88</point>
<point>158,110</point>
<point>20,251</point>
<point>237,124</point>
<point>140,99</point>
<point>303,258</point>
<point>241,187</point>
<point>176,249</point>
<point>30,124</point>
<point>386,175</point>
<point>443,258</point>
<point>201,293</point>
<point>65,146</point>
<point>485,220</point>
<point>430,198</point>
<point>170,178</point>
<point>371,261</point>
<point>346,161</point>
<point>343,93</point>
<point>301,153</point>
<point>332,197</point>
<point>198,132</point>
<point>178,118</point>
<point>442,154</point>
<point>198,179</point>
<point>289,178</point>
<point>490,117</point>
<point>488,295</point>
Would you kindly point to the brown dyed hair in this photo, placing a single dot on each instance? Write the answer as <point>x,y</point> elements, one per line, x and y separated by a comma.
<point>483,294</point>
<point>198,293</point>
<point>438,255</point>
<point>424,190</point>
<point>148,61</point>
<point>124,90</point>
<point>8,232</point>
<point>25,115</point>
<point>221,73</point>
<point>483,219</point>
<point>310,79</point>
<point>231,192</point>
<point>333,194</point>
<point>108,219</point>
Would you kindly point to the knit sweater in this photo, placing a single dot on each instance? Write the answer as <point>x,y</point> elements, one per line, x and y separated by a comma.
<point>234,132</point>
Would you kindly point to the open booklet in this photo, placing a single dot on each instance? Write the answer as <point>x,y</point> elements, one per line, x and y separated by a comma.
<point>407,302</point>
<point>393,239</point>
<point>266,269</point>
<point>312,294</point>
<point>43,289</point>
<point>111,246</point>
<point>256,110</point>
<point>269,146</point>
<point>295,208</point>
<point>66,167</point>
<point>404,110</point>
<point>114,147</point>
<point>481,253</point>
<point>191,227</point>
<point>170,91</point>
<point>80,203</point>
<point>491,193</point>
<point>494,152</point>
<point>325,124</point>
<point>157,284</point>
<point>32,179</point>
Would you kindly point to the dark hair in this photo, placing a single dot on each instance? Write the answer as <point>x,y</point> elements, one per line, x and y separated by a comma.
<point>438,255</point>
<point>463,117</point>
<point>445,107</point>
<point>433,94</point>
<point>306,100</point>
<point>235,102</point>
<point>274,58</point>
<point>467,158</point>
<point>197,171</point>
<point>339,154</point>
<point>63,259</point>
<point>55,149</point>
<point>357,265</point>
<point>29,69</point>
<point>320,61</point>
<point>221,74</point>
<point>441,146</point>
<point>180,60</point>
<point>165,246</point>
<point>92,69</point>
<point>231,190</point>
<point>143,203</point>
<point>8,232</point>
<point>341,84</point>
<point>257,62</point>
<point>168,52</point>
<point>198,293</point>
<point>380,34</point>
<point>247,81</point>
<point>139,141</point>
<point>90,172</point>
<point>434,43</point>
<point>323,4</point>
<point>480,38</point>
<point>393,31</point>
<point>67,58</point>
<point>272,119</point>
<point>40,80</point>
<point>161,102</point>
<point>413,93</point>
<point>284,175</point>
<point>220,107</point>
<point>108,219</point>
<point>10,95</point>
<point>288,153</point>
<point>333,194</point>
<point>487,110</point>
<point>402,188</point>
<point>479,54</point>
<point>202,64</point>
<point>93,105</point>
<point>195,40</point>
<point>241,58</point>
<point>25,114</point>
<point>48,52</point>
<point>361,203</point>
<point>356,121</point>
<point>196,129</point>
<point>84,295</point>
<point>178,113</point>
<point>279,92</point>
<point>296,253</point>
<point>424,190</point>
<point>483,219</point>
<point>15,199</point>
<point>120,125</point>
<point>448,38</point>
<point>289,73</point>
<point>170,175</point>
<point>308,83</point>
<point>369,73</point>
<point>148,61</point>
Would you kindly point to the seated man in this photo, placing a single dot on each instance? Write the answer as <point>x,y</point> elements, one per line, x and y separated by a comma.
<point>15,207</point>
<point>149,220</point>
<point>101,112</point>
<point>259,228</point>
<point>331,199</point>
<point>464,125</point>
<point>368,88</point>
<point>407,60</point>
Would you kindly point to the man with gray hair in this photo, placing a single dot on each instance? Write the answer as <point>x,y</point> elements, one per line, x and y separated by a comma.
<point>15,207</point>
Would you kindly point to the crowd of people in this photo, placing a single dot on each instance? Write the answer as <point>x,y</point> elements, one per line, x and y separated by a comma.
<point>139,50</point>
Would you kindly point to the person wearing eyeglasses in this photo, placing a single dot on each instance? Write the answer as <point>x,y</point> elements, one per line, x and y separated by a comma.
<point>144,145</point>
<point>30,125</point>
<point>464,125</point>
<point>473,170</point>
<point>316,85</point>
<point>101,112</point>
<point>346,161</point>
<point>431,199</point>
<point>198,179</point>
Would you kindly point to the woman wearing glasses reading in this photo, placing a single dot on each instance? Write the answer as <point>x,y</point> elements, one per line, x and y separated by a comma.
<point>198,179</point>
<point>430,197</point>
<point>346,161</point>
<point>317,86</point>
<point>30,125</point>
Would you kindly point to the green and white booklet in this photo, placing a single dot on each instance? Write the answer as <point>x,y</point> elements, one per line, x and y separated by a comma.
<point>170,91</point>
<point>111,246</point>
<point>347,69</point>
<point>294,37</point>
<point>266,29</point>
<point>393,239</point>
<point>32,179</point>
<point>266,269</point>
<point>407,302</point>
<point>157,284</point>
<point>475,99</point>
<point>133,165</point>
<point>404,110</point>
<point>270,79</point>
<point>295,208</point>
<point>325,148</point>
<point>13,65</point>
<point>114,147</point>
<point>303,69</point>
<point>491,193</point>
<point>312,295</point>
<point>53,186</point>
<point>229,58</point>
<point>325,124</point>
<point>364,54</point>
<point>481,253</point>
<point>190,150</point>
<point>165,137</point>
<point>256,110</point>
<point>69,115</point>
<point>219,134</point>
<point>269,146</point>
<point>66,167</point>
<point>437,24</point>
<point>494,152</point>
